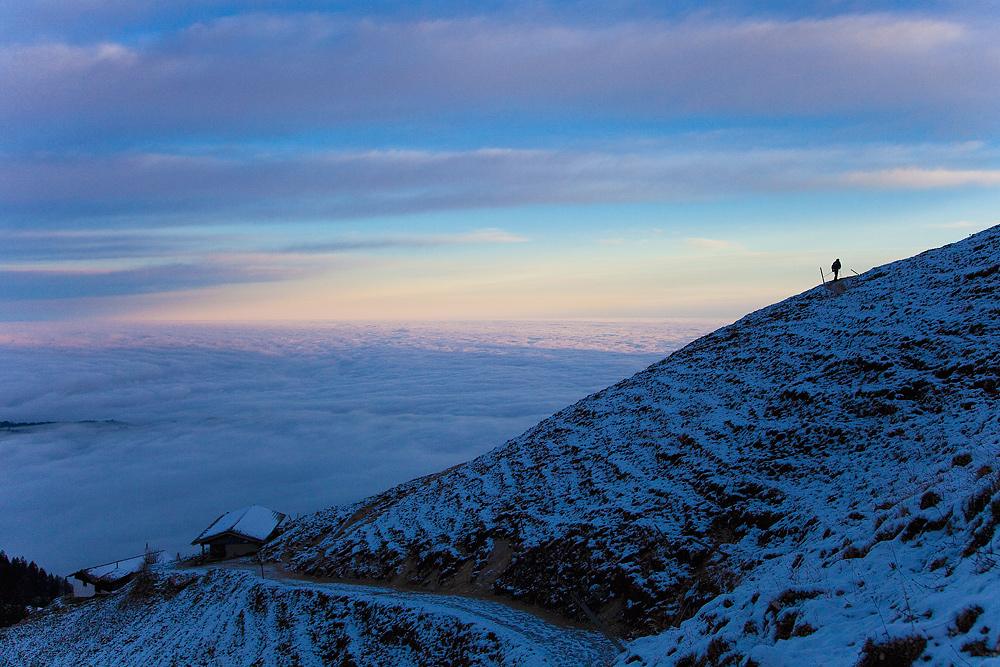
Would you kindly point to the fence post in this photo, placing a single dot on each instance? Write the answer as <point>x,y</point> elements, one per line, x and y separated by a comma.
<point>593,617</point>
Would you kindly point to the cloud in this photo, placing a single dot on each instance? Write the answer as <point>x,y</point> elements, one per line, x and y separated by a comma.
<point>206,121</point>
<point>387,242</point>
<point>321,184</point>
<point>918,178</point>
<point>82,18</point>
<point>287,73</point>
<point>208,419</point>
<point>337,184</point>
<point>26,249</point>
<point>714,245</point>
<point>190,189</point>
<point>82,264</point>
<point>22,246</point>
<point>40,284</point>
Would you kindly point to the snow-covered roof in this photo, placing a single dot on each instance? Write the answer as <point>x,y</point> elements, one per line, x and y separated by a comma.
<point>110,572</point>
<point>116,570</point>
<point>253,522</point>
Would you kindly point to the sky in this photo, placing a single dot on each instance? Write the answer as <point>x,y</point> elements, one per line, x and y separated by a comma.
<point>251,160</point>
<point>155,432</point>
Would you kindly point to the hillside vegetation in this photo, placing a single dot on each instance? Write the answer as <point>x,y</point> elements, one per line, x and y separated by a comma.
<point>24,585</point>
<point>224,616</point>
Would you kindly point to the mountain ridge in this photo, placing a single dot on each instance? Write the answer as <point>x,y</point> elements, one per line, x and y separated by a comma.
<point>794,430</point>
<point>814,484</point>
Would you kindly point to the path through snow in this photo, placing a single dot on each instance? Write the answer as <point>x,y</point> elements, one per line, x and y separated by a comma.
<point>543,642</point>
<point>230,616</point>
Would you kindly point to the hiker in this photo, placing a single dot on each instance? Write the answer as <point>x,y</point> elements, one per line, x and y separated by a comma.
<point>835,267</point>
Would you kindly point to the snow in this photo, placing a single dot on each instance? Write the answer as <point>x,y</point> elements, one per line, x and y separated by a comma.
<point>790,449</point>
<point>226,617</point>
<point>116,570</point>
<point>255,522</point>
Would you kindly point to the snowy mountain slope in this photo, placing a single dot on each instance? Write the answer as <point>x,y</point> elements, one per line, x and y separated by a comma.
<point>808,438</point>
<point>226,617</point>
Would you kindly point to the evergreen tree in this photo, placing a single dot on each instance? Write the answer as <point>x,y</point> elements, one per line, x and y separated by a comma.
<point>24,585</point>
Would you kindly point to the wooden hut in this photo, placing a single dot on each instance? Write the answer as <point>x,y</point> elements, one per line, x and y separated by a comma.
<point>239,533</point>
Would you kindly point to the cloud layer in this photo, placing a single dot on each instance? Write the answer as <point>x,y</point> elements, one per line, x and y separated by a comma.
<point>184,147</point>
<point>191,190</point>
<point>160,430</point>
<point>281,73</point>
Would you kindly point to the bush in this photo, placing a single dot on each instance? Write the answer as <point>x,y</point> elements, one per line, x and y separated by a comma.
<point>900,652</point>
<point>144,583</point>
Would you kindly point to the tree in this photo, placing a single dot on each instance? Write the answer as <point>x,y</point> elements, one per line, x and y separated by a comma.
<point>24,585</point>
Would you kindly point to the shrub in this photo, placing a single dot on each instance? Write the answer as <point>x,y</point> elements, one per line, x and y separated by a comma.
<point>144,583</point>
<point>967,619</point>
<point>901,652</point>
<point>929,499</point>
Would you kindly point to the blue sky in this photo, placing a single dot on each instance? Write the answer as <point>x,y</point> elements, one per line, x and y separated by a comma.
<point>449,160</point>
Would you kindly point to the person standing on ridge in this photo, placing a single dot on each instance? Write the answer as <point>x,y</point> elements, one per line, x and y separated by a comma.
<point>835,267</point>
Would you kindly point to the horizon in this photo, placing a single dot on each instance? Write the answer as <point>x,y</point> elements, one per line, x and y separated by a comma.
<point>250,165</point>
<point>444,160</point>
<point>146,432</point>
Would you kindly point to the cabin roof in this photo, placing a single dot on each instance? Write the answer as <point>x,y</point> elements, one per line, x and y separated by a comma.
<point>111,572</point>
<point>253,522</point>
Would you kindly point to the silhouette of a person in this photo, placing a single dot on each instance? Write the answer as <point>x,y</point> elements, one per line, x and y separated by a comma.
<point>835,267</point>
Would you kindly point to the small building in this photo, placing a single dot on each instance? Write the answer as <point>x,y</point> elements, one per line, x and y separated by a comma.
<point>239,533</point>
<point>112,576</point>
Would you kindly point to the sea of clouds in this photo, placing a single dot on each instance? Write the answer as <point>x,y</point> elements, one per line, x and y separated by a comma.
<point>154,431</point>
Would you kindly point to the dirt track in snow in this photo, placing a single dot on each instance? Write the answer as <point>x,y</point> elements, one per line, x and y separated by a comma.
<point>561,643</point>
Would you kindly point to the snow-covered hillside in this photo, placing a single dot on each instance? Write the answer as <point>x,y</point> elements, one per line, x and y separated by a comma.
<point>815,484</point>
<point>817,475</point>
<point>234,618</point>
